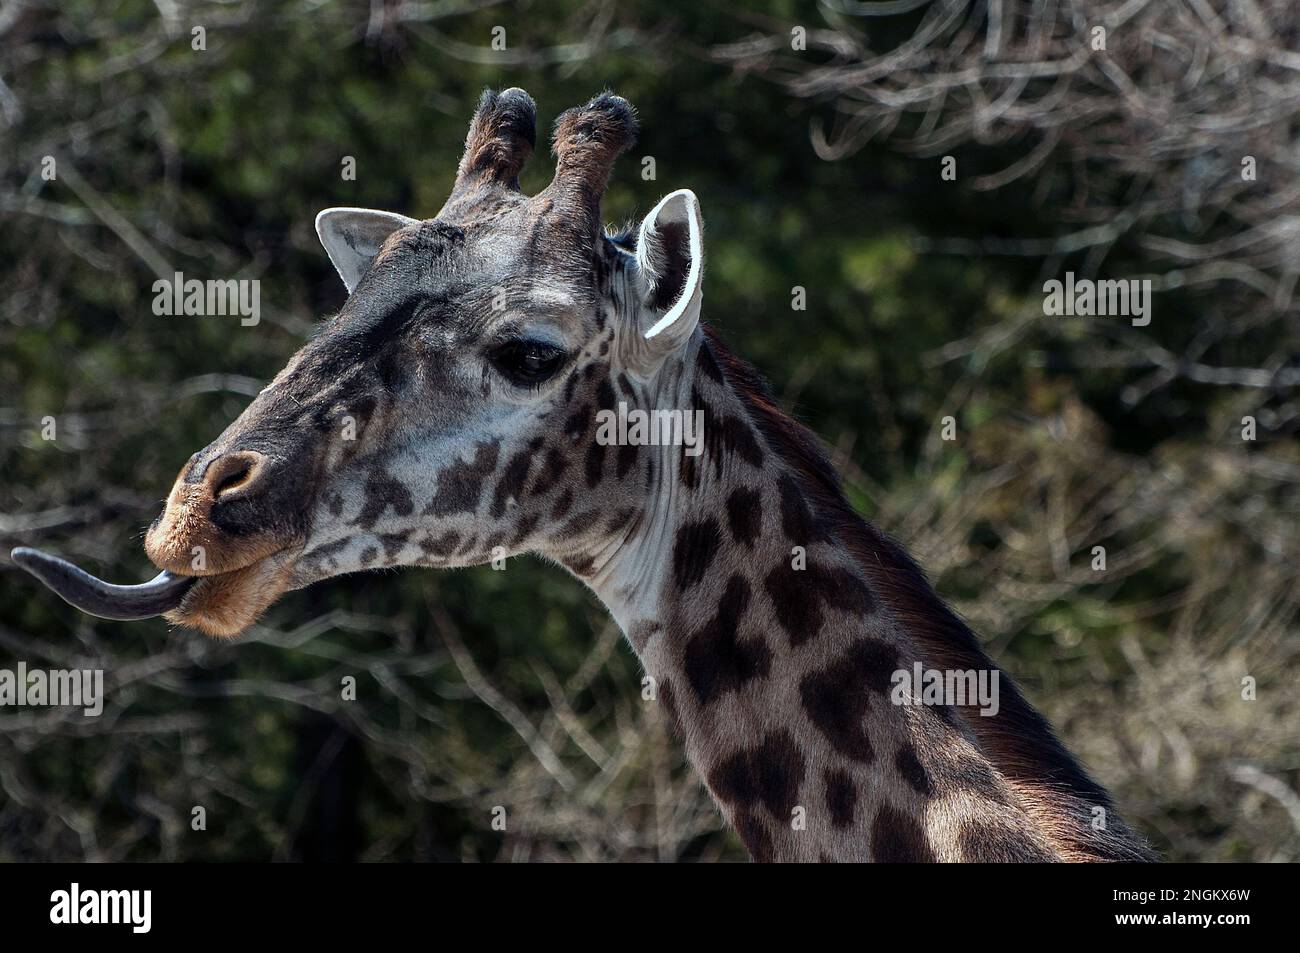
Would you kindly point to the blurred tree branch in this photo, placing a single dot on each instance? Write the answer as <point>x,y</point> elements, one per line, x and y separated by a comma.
<point>1170,127</point>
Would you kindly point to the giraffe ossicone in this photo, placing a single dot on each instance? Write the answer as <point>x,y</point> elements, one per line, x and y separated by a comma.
<point>448,415</point>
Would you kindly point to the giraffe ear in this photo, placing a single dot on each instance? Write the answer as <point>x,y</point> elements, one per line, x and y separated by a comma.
<point>353,236</point>
<point>670,269</point>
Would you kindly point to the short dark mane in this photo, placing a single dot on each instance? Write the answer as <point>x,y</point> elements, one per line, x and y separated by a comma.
<point>1052,786</point>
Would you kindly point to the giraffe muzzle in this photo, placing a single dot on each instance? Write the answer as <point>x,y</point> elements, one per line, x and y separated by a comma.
<point>96,597</point>
<point>226,511</point>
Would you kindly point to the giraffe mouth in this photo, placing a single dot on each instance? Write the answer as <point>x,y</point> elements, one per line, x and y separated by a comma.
<point>224,604</point>
<point>220,604</point>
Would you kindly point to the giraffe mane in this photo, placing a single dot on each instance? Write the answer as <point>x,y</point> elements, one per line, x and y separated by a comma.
<point>1052,787</point>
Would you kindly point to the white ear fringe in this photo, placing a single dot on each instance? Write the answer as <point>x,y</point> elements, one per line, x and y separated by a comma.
<point>696,240</point>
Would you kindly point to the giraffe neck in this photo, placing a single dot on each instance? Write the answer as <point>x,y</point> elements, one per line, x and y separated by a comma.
<point>746,591</point>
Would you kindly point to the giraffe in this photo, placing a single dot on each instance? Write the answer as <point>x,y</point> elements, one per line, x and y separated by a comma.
<point>450,414</point>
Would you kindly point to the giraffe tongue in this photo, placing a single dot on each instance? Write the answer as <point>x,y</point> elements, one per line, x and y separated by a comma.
<point>97,597</point>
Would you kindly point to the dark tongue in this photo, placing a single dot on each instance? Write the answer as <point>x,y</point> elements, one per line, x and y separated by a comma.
<point>89,594</point>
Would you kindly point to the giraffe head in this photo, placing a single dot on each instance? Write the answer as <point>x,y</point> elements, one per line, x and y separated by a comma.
<point>446,416</point>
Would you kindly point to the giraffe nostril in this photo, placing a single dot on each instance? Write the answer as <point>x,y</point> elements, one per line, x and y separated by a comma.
<point>234,475</point>
<point>232,482</point>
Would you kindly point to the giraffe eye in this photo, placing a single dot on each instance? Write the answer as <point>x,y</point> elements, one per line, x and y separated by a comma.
<point>527,363</point>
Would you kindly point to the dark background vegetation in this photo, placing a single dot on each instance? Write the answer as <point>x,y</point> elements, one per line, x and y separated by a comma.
<point>478,688</point>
